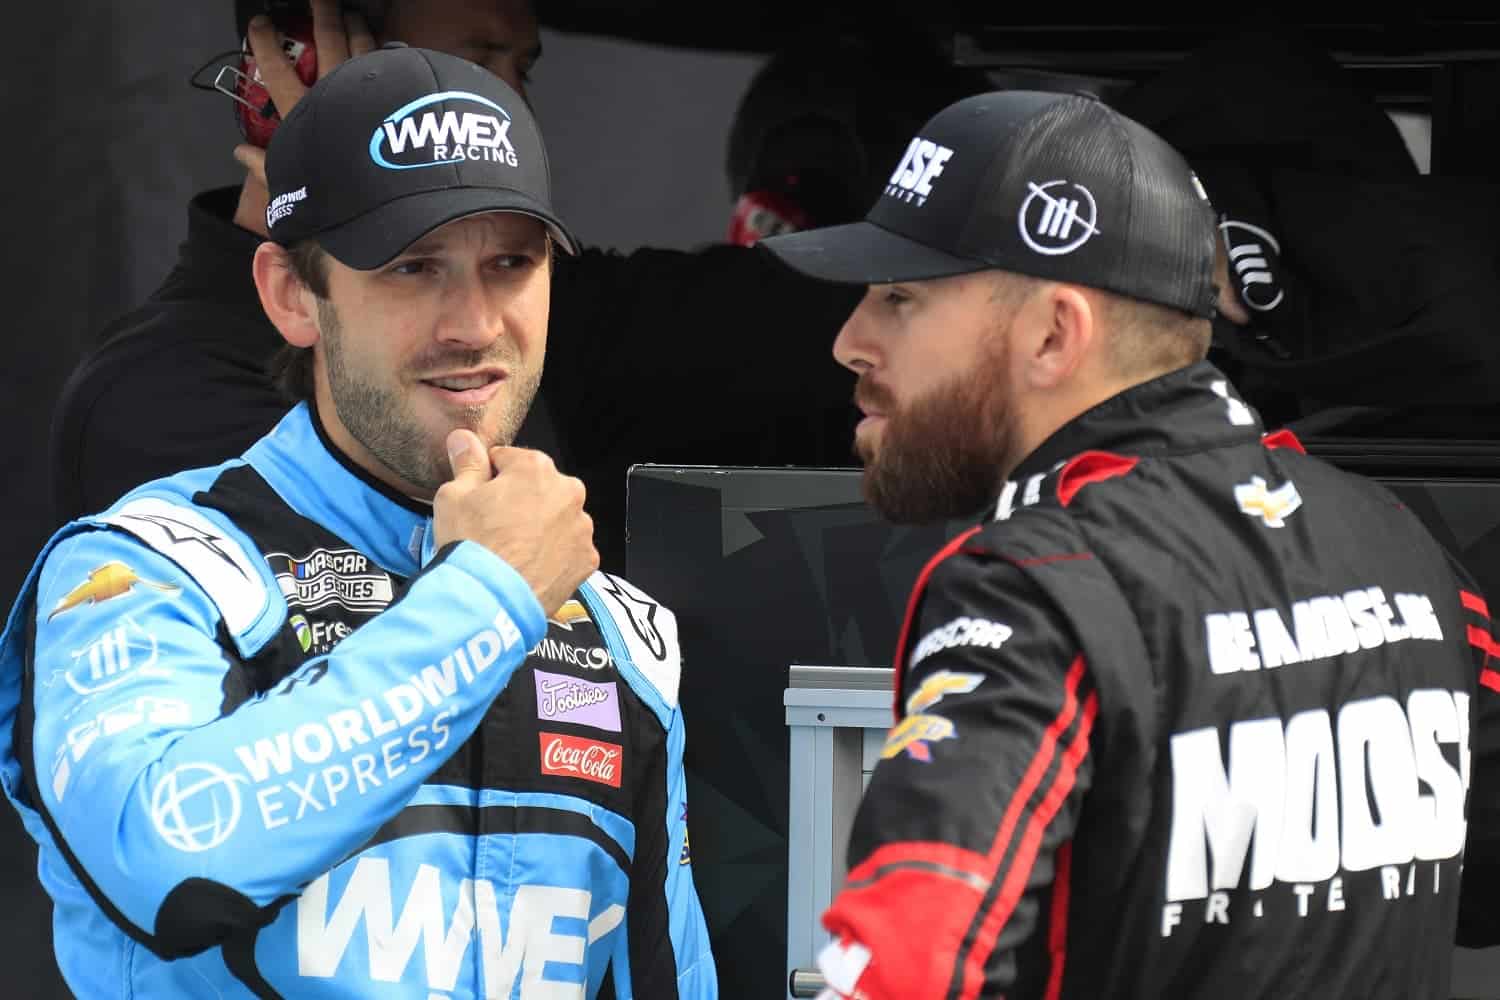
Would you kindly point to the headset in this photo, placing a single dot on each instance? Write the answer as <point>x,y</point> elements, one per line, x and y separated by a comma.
<point>254,111</point>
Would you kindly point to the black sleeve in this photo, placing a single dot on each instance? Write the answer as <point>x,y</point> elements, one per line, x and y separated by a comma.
<point>963,834</point>
<point>151,406</point>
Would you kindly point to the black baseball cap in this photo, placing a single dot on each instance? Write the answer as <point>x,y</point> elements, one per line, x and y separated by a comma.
<point>395,143</point>
<point>1050,185</point>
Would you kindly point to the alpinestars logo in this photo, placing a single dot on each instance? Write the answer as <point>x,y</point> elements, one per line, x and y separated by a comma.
<point>204,549</point>
<point>179,532</point>
<point>642,614</point>
<point>1058,217</point>
<point>471,128</point>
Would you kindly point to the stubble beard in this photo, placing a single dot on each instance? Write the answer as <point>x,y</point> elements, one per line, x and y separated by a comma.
<point>379,415</point>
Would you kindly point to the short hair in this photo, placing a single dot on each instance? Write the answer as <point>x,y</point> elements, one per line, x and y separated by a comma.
<point>291,367</point>
<point>1145,339</point>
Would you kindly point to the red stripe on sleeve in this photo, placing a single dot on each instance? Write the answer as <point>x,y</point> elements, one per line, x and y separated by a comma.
<point>1057,934</point>
<point>1015,879</point>
<point>1490,679</point>
<point>911,610</point>
<point>1039,764</point>
<point>912,919</point>
<point>929,852</point>
<point>1474,603</point>
<point>1480,639</point>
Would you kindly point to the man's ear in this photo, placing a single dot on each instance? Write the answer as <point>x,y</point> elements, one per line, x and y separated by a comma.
<point>1064,323</point>
<point>288,303</point>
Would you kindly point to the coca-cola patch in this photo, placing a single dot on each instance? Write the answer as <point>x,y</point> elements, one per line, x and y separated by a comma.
<point>560,698</point>
<point>576,757</point>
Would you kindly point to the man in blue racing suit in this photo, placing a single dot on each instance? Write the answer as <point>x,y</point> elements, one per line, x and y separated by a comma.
<point>355,714</point>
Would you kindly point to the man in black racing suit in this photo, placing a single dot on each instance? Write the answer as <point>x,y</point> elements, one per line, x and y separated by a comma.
<point>1188,712</point>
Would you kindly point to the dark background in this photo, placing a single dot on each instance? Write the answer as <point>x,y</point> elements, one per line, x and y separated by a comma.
<point>105,142</point>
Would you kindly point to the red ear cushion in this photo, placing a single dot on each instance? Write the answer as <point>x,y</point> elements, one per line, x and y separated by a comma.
<point>297,42</point>
<point>759,214</point>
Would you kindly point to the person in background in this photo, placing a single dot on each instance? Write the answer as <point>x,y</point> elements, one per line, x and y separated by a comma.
<point>188,379</point>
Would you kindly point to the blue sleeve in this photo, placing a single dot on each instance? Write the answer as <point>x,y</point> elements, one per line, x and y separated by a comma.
<point>185,822</point>
<point>697,978</point>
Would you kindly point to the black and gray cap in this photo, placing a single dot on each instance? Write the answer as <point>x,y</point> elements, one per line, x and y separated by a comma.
<point>395,143</point>
<point>1055,186</point>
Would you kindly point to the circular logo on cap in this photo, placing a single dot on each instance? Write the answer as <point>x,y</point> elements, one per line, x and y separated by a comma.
<point>1058,217</point>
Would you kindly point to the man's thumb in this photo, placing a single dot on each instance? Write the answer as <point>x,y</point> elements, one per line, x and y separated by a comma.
<point>466,453</point>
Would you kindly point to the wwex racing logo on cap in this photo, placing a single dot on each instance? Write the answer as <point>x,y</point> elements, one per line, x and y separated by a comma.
<point>1050,218</point>
<point>412,138</point>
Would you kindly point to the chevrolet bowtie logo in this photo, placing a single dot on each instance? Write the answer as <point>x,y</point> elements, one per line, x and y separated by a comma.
<point>107,582</point>
<point>915,734</point>
<point>935,687</point>
<point>571,613</point>
<point>1271,506</point>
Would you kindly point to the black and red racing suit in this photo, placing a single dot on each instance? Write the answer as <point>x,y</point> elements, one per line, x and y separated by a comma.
<point>1192,714</point>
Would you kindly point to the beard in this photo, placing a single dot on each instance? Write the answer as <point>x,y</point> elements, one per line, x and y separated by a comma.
<point>941,456</point>
<point>380,417</point>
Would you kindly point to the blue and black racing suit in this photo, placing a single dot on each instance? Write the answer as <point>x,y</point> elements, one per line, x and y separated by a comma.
<point>272,743</point>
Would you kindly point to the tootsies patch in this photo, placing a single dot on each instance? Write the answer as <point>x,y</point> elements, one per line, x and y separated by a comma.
<point>560,698</point>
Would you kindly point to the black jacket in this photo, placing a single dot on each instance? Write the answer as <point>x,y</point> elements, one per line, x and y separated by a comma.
<point>721,356</point>
<point>1193,714</point>
<point>177,383</point>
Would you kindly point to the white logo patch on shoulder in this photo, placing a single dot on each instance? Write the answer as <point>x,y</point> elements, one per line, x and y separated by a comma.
<point>217,562</point>
<point>648,629</point>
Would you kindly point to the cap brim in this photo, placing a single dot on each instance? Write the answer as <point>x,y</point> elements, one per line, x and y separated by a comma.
<point>380,235</point>
<point>862,253</point>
